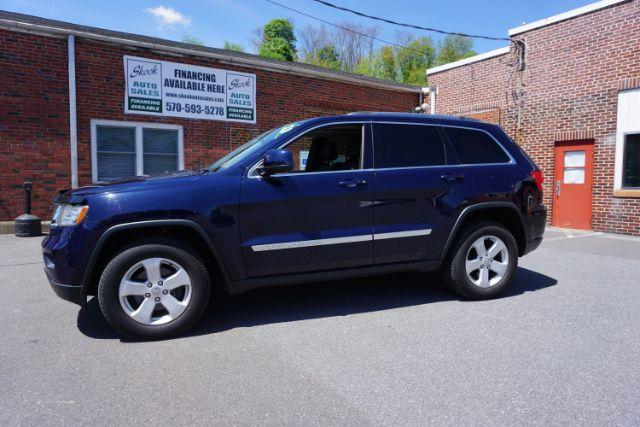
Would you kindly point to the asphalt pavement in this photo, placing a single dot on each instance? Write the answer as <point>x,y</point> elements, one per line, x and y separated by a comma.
<point>562,346</point>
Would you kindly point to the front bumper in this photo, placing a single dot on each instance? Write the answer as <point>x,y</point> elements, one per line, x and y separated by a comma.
<point>74,294</point>
<point>65,251</point>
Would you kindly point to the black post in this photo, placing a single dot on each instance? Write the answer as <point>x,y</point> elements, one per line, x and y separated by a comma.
<point>27,197</point>
<point>27,225</point>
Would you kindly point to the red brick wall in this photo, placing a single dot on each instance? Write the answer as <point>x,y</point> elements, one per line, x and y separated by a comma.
<point>34,135</point>
<point>34,120</point>
<point>477,90</point>
<point>493,115</point>
<point>571,83</point>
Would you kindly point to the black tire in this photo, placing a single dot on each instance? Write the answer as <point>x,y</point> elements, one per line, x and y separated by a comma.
<point>454,270</point>
<point>108,290</point>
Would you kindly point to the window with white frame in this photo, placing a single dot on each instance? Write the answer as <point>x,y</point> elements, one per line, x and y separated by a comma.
<point>627,172</point>
<point>631,161</point>
<point>124,149</point>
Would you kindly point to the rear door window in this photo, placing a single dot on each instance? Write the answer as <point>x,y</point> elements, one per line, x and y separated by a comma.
<point>475,147</point>
<point>400,145</point>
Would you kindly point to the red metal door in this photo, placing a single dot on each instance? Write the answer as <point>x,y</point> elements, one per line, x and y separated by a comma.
<point>572,185</point>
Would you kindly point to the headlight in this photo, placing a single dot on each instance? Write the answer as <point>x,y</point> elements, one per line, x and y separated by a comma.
<point>69,215</point>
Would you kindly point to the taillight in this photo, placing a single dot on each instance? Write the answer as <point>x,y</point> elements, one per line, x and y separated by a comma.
<point>538,177</point>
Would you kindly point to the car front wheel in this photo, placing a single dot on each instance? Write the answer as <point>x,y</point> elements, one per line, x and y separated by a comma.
<point>153,291</point>
<point>482,262</point>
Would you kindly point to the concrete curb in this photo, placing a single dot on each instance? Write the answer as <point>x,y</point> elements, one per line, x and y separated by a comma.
<point>8,227</point>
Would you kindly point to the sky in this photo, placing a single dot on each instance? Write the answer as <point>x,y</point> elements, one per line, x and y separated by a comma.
<point>214,21</point>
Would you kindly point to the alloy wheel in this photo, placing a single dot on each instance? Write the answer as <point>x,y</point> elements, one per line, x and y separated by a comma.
<point>487,261</point>
<point>155,291</point>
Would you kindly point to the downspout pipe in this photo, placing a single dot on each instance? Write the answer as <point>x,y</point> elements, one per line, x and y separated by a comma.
<point>433,90</point>
<point>73,119</point>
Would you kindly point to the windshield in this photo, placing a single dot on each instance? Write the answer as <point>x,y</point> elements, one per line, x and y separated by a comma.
<point>251,147</point>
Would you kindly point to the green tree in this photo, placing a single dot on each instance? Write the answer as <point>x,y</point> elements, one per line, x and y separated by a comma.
<point>282,28</point>
<point>368,66</point>
<point>233,46</point>
<point>453,48</point>
<point>415,59</point>
<point>327,56</point>
<point>191,40</point>
<point>388,67</point>
<point>278,40</point>
<point>407,64</point>
<point>277,48</point>
<point>381,64</point>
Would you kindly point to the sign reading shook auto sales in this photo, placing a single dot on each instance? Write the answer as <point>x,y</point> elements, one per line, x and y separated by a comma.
<point>180,90</point>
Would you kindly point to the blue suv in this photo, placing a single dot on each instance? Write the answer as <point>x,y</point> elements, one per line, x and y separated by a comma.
<point>320,199</point>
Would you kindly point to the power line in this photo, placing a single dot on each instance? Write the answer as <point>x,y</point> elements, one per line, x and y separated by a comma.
<point>402,24</point>
<point>348,29</point>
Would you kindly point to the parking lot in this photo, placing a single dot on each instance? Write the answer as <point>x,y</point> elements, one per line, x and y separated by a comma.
<point>561,347</point>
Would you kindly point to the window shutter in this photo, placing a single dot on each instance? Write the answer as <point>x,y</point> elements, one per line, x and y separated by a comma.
<point>116,152</point>
<point>160,150</point>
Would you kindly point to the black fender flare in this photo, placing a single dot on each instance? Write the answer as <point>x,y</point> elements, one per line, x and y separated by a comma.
<point>476,207</point>
<point>86,278</point>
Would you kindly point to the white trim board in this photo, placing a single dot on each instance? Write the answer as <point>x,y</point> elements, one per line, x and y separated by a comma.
<point>470,60</point>
<point>564,16</point>
<point>73,112</point>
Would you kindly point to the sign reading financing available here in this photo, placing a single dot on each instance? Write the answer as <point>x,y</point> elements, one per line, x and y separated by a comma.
<point>164,88</point>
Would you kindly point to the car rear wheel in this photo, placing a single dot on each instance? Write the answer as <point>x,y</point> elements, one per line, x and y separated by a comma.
<point>482,262</point>
<point>154,291</point>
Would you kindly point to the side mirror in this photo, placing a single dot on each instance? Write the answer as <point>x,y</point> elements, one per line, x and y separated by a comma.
<point>276,161</point>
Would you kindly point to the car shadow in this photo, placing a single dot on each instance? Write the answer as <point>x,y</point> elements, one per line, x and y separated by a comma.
<point>317,300</point>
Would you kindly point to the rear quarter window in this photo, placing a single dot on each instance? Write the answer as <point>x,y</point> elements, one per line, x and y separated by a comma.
<point>475,147</point>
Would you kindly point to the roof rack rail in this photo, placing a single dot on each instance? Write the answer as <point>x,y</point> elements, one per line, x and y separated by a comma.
<point>427,116</point>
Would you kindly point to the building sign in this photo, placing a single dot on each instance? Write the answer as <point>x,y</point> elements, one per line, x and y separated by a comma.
<point>304,155</point>
<point>164,88</point>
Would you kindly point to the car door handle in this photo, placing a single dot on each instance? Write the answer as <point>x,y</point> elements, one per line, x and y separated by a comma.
<point>451,177</point>
<point>351,183</point>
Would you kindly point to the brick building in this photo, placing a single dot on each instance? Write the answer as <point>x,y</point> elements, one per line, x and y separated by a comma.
<point>70,116</point>
<point>567,88</point>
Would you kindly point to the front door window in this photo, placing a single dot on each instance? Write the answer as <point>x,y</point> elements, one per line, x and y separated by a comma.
<point>331,148</point>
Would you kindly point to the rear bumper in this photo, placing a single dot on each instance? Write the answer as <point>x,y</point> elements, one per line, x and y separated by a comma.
<point>70,293</point>
<point>536,225</point>
<point>532,245</point>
